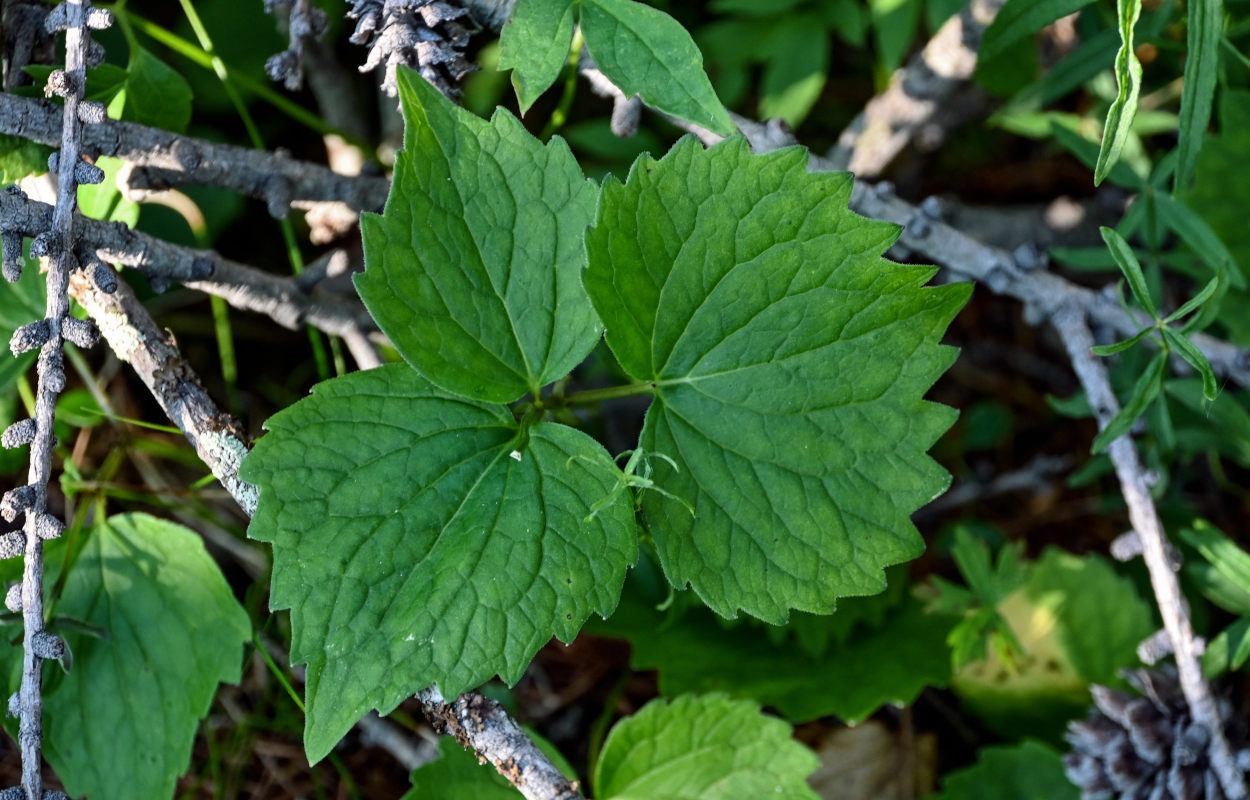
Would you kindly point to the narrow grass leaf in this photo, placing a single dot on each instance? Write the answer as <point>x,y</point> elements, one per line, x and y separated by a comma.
<point>1144,392</point>
<point>1206,28</point>
<point>1128,82</point>
<point>1120,347</point>
<point>1190,352</point>
<point>1020,18</point>
<point>1127,261</point>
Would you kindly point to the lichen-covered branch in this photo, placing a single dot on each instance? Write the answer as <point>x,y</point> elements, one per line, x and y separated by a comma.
<point>163,160</point>
<point>1070,322</point>
<point>916,95</point>
<point>136,339</point>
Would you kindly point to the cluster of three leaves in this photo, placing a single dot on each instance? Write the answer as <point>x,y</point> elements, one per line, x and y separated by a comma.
<point>422,535</point>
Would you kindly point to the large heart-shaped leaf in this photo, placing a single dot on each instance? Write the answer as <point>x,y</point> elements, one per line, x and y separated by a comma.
<point>788,361</point>
<point>425,538</point>
<point>474,268</point>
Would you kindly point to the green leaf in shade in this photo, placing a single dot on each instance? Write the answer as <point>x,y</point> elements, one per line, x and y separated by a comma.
<point>1221,202</point>
<point>1128,82</point>
<point>1027,771</point>
<point>894,26</point>
<point>1193,303</point>
<point>1195,232</point>
<point>157,94</point>
<point>1228,650</point>
<point>1020,18</point>
<point>1130,267</point>
<point>1228,559</point>
<point>888,662</point>
<point>1221,426</point>
<point>1202,64</point>
<point>473,270</point>
<point>534,44</point>
<point>1196,359</point>
<point>424,538</point>
<point>20,303</point>
<point>457,774</point>
<point>789,362</point>
<point>121,724</point>
<point>797,64</point>
<point>1121,346</point>
<point>104,200</point>
<point>646,52</point>
<point>703,748</point>
<point>1145,391</point>
<point>1087,151</point>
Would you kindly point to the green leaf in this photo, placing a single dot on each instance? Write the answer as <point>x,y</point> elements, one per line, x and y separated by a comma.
<point>1027,771</point>
<point>473,270</point>
<point>789,361</point>
<point>21,158</point>
<point>424,538</point>
<point>1020,18</point>
<point>703,748</point>
<point>457,774</point>
<point>1228,559</point>
<point>894,26</point>
<point>1221,426</point>
<point>1128,81</point>
<point>1120,347</point>
<point>122,723</point>
<point>1130,267</point>
<point>1202,64</point>
<point>104,200</point>
<point>795,72</point>
<point>1221,202</point>
<point>1088,152</point>
<point>1144,392</point>
<point>157,95</point>
<point>890,662</point>
<point>646,52</point>
<point>1193,303</point>
<point>1196,359</point>
<point>20,303</point>
<point>534,44</point>
<point>1228,650</point>
<point>1196,233</point>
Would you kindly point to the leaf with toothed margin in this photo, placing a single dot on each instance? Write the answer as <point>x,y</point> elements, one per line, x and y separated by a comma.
<point>789,361</point>
<point>473,270</point>
<point>703,748</point>
<point>121,723</point>
<point>422,538</point>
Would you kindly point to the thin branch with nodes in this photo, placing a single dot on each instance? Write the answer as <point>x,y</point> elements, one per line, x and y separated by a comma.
<point>55,243</point>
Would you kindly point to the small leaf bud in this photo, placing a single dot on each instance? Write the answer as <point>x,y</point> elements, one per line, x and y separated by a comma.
<point>17,500</point>
<point>82,332</point>
<point>12,544</point>
<point>30,336</point>
<point>18,434</point>
<point>11,249</point>
<point>51,370</point>
<point>48,527</point>
<point>47,645</point>
<point>13,598</point>
<point>88,174</point>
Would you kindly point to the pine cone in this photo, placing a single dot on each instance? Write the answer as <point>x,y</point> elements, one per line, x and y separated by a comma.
<point>428,35</point>
<point>1145,747</point>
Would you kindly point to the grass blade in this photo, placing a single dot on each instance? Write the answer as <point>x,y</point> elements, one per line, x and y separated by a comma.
<point>1206,28</point>
<point>1131,268</point>
<point>1128,79</point>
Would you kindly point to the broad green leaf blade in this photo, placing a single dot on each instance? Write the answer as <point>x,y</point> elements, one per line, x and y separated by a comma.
<point>534,44</point>
<point>646,52</point>
<point>421,538</point>
<point>457,774</point>
<point>473,270</point>
<point>1145,390</point>
<point>121,724</point>
<point>1202,64</point>
<point>1131,268</point>
<point>1027,771</point>
<point>703,748</point>
<point>888,663</point>
<point>1120,347</point>
<point>789,361</point>
<point>156,94</point>
<point>1128,81</point>
<point>1196,359</point>
<point>1020,18</point>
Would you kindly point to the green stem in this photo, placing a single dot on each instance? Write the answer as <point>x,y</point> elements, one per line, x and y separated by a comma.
<point>590,396</point>
<point>561,114</point>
